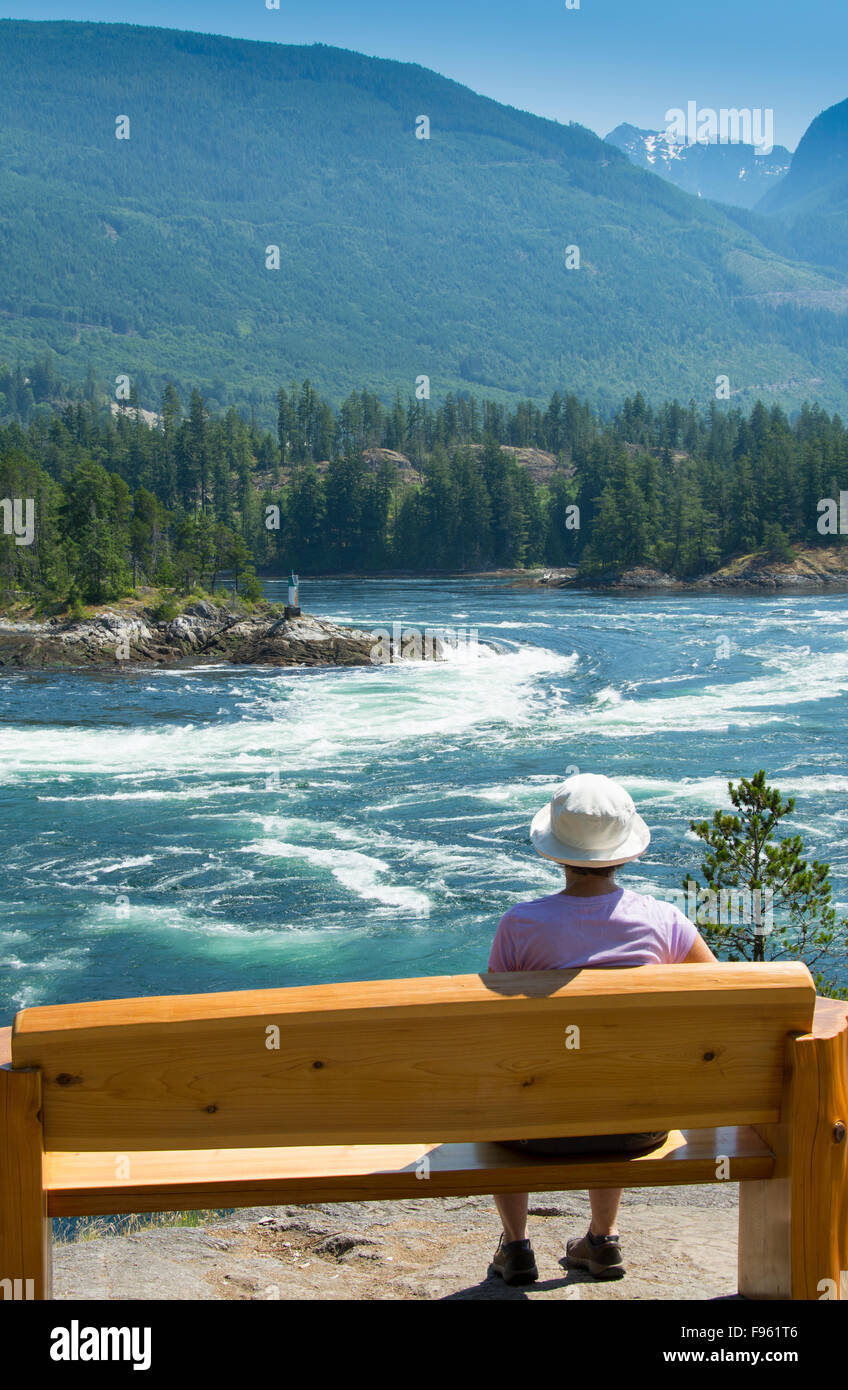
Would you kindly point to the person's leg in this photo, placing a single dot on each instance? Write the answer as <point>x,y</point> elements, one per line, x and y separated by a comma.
<point>599,1250</point>
<point>512,1209</point>
<point>605,1202</point>
<point>514,1260</point>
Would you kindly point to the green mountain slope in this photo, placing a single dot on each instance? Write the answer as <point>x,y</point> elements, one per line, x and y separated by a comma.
<point>811,202</point>
<point>399,257</point>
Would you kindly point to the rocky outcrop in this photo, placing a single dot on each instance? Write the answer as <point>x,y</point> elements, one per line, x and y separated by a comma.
<point>202,634</point>
<point>540,464</point>
<point>807,570</point>
<point>303,641</point>
<point>640,577</point>
<point>810,569</point>
<point>552,578</point>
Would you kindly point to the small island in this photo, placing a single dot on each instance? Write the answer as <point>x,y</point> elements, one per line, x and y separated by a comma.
<point>150,631</point>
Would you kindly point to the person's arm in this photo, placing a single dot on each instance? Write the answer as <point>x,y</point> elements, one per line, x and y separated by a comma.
<point>700,954</point>
<point>680,930</point>
<point>502,955</point>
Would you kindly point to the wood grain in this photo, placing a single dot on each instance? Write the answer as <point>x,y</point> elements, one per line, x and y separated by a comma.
<point>25,1250</point>
<point>793,1230</point>
<point>463,1057</point>
<point>422,992</point>
<point>184,1181</point>
<point>820,1162</point>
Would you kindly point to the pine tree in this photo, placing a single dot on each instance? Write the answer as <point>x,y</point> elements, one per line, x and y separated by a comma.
<point>797,919</point>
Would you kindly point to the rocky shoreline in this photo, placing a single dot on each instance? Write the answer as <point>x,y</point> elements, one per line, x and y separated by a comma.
<point>809,571</point>
<point>205,633</point>
<point>201,635</point>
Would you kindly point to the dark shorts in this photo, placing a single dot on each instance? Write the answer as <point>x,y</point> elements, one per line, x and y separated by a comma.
<point>590,1143</point>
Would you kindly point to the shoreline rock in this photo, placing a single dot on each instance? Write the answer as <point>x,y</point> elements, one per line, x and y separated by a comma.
<point>201,635</point>
<point>810,570</point>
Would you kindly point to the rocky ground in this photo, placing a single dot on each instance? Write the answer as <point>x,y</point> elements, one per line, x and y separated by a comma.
<point>679,1242</point>
<point>203,634</point>
<point>826,568</point>
<point>810,569</point>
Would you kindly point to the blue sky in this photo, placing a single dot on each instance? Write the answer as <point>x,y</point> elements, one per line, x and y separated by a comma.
<point>606,62</point>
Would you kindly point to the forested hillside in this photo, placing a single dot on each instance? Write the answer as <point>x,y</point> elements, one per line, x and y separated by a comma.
<point>399,258</point>
<point>119,504</point>
<point>810,204</point>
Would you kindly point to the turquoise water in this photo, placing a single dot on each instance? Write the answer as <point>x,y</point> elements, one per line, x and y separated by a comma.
<point>231,828</point>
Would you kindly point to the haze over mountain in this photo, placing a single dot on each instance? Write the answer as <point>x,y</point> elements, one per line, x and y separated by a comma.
<point>812,201</point>
<point>399,257</point>
<point>729,173</point>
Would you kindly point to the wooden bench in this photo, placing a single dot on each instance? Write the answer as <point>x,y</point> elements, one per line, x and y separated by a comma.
<point>397,1088</point>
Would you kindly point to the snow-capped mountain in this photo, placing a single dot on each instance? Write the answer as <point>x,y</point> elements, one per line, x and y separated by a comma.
<point>729,173</point>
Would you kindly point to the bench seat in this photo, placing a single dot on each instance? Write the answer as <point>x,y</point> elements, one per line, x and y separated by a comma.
<point>185,1180</point>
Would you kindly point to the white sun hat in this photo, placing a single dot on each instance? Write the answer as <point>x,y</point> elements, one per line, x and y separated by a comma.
<point>590,822</point>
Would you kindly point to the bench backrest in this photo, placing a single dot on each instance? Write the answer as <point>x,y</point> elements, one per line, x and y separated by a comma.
<point>436,1059</point>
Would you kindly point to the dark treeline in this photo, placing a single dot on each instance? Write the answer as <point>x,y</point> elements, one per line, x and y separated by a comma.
<point>119,503</point>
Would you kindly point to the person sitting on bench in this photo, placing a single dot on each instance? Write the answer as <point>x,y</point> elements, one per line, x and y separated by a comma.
<point>590,826</point>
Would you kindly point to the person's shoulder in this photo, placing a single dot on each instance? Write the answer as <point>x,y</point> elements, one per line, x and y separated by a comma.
<point>630,897</point>
<point>523,914</point>
<point>667,919</point>
<point>658,909</point>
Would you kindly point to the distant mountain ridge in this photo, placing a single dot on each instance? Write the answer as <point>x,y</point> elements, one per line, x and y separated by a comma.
<point>273,216</point>
<point>729,173</point>
<point>811,203</point>
<point>819,164</point>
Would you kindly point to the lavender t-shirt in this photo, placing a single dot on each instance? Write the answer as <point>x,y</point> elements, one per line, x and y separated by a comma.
<point>564,932</point>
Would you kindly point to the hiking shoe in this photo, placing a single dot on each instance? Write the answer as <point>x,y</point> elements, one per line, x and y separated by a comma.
<point>604,1260</point>
<point>515,1262</point>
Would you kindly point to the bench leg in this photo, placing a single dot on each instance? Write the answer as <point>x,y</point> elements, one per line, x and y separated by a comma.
<point>25,1244</point>
<point>793,1230</point>
<point>765,1222</point>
